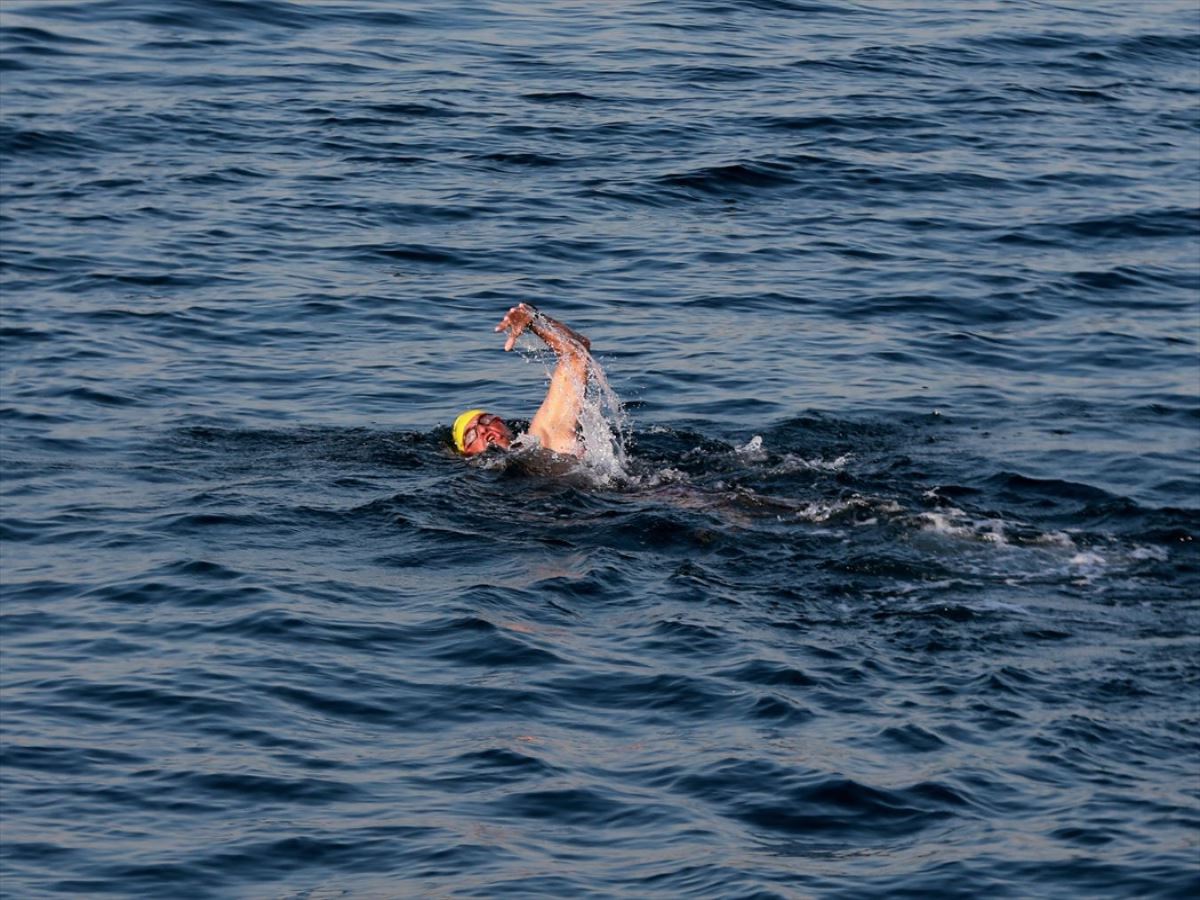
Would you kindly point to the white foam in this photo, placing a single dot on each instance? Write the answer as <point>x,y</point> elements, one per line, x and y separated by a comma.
<point>954,522</point>
<point>819,512</point>
<point>792,463</point>
<point>1087,561</point>
<point>603,423</point>
<point>949,522</point>
<point>1055,539</point>
<point>753,450</point>
<point>1141,554</point>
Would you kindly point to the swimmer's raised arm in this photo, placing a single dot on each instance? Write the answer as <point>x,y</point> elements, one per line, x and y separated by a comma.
<point>558,337</point>
<point>556,420</point>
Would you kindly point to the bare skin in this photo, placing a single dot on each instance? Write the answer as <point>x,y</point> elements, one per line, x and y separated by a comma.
<point>486,431</point>
<point>555,422</point>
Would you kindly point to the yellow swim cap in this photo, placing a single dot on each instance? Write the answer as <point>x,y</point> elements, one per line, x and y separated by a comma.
<point>460,426</point>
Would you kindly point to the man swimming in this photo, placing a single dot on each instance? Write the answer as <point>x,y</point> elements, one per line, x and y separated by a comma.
<point>557,420</point>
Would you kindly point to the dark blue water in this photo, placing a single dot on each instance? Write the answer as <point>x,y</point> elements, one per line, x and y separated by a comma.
<point>895,595</point>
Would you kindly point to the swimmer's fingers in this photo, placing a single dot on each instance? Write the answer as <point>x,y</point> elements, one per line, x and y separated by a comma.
<point>515,331</point>
<point>510,318</point>
<point>515,322</point>
<point>507,325</point>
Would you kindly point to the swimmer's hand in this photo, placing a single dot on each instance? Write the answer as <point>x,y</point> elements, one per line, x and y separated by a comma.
<point>515,321</point>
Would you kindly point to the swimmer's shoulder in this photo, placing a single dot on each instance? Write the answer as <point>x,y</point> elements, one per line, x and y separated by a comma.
<point>526,455</point>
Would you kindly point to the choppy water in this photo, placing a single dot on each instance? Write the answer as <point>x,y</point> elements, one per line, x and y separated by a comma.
<point>898,595</point>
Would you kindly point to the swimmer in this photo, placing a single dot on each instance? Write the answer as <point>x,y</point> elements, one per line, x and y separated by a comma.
<point>557,420</point>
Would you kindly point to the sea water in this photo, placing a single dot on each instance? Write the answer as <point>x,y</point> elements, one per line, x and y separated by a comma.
<point>886,584</point>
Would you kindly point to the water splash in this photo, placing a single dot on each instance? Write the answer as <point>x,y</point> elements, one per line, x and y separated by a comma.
<point>753,450</point>
<point>604,425</point>
<point>603,422</point>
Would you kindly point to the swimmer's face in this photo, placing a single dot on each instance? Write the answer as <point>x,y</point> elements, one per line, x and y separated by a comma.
<point>484,432</point>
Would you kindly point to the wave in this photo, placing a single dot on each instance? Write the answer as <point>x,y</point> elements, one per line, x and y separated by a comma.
<point>222,15</point>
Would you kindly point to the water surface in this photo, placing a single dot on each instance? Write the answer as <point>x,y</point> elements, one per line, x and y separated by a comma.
<point>895,596</point>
